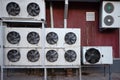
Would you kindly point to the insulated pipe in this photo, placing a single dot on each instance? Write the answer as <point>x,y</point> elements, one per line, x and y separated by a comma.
<point>51,15</point>
<point>119,43</point>
<point>65,13</point>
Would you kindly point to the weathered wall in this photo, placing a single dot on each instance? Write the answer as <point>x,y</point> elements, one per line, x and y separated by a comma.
<point>91,34</point>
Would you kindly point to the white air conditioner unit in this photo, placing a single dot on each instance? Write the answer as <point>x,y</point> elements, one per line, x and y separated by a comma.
<point>63,57</point>
<point>19,56</point>
<point>110,14</point>
<point>27,9</point>
<point>60,37</point>
<point>22,37</point>
<point>97,55</point>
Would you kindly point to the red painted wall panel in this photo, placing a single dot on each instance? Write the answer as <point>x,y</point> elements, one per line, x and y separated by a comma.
<point>90,32</point>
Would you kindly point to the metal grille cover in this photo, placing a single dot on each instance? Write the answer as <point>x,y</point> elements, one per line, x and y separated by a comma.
<point>13,9</point>
<point>70,38</point>
<point>33,38</point>
<point>108,20</point>
<point>13,55</point>
<point>52,56</point>
<point>33,55</point>
<point>92,55</point>
<point>70,55</point>
<point>13,37</point>
<point>109,7</point>
<point>33,9</point>
<point>52,38</point>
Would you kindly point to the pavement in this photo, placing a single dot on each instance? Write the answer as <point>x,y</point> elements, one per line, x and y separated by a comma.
<point>85,76</point>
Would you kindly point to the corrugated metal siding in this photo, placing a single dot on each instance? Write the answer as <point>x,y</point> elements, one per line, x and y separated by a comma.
<point>91,35</point>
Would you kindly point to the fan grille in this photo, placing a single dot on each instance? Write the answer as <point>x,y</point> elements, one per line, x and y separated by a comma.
<point>52,56</point>
<point>52,38</point>
<point>92,55</point>
<point>33,55</point>
<point>70,38</point>
<point>13,55</point>
<point>33,38</point>
<point>109,8</point>
<point>13,37</point>
<point>70,56</point>
<point>108,20</point>
<point>13,9</point>
<point>33,9</point>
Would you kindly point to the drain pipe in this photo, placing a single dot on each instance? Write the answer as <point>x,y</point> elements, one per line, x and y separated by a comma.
<point>51,15</point>
<point>65,13</point>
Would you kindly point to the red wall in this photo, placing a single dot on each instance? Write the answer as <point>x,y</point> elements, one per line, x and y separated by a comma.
<point>90,32</point>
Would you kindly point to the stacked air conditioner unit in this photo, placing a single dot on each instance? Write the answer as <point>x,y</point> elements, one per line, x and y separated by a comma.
<point>22,56</point>
<point>97,55</point>
<point>23,10</point>
<point>62,47</point>
<point>22,46</point>
<point>110,14</point>
<point>22,37</point>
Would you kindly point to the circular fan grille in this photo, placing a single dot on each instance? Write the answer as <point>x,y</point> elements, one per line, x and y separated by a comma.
<point>109,8</point>
<point>33,9</point>
<point>13,9</point>
<point>13,37</point>
<point>13,55</point>
<point>52,38</point>
<point>70,55</point>
<point>33,38</point>
<point>108,20</point>
<point>52,56</point>
<point>92,55</point>
<point>33,55</point>
<point>70,38</point>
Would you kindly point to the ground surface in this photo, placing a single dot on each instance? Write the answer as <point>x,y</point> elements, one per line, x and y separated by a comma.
<point>85,76</point>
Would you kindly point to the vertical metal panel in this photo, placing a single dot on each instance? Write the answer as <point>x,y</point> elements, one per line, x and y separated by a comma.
<point>91,35</point>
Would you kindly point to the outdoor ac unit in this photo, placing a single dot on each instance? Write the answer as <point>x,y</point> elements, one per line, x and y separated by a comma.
<point>59,37</point>
<point>110,14</point>
<point>97,55</point>
<point>23,10</point>
<point>22,37</point>
<point>63,57</point>
<point>20,56</point>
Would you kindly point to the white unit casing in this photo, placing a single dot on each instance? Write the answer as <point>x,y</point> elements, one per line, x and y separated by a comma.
<point>60,37</point>
<point>97,55</point>
<point>110,14</point>
<point>21,59</point>
<point>22,37</point>
<point>19,10</point>
<point>65,57</point>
